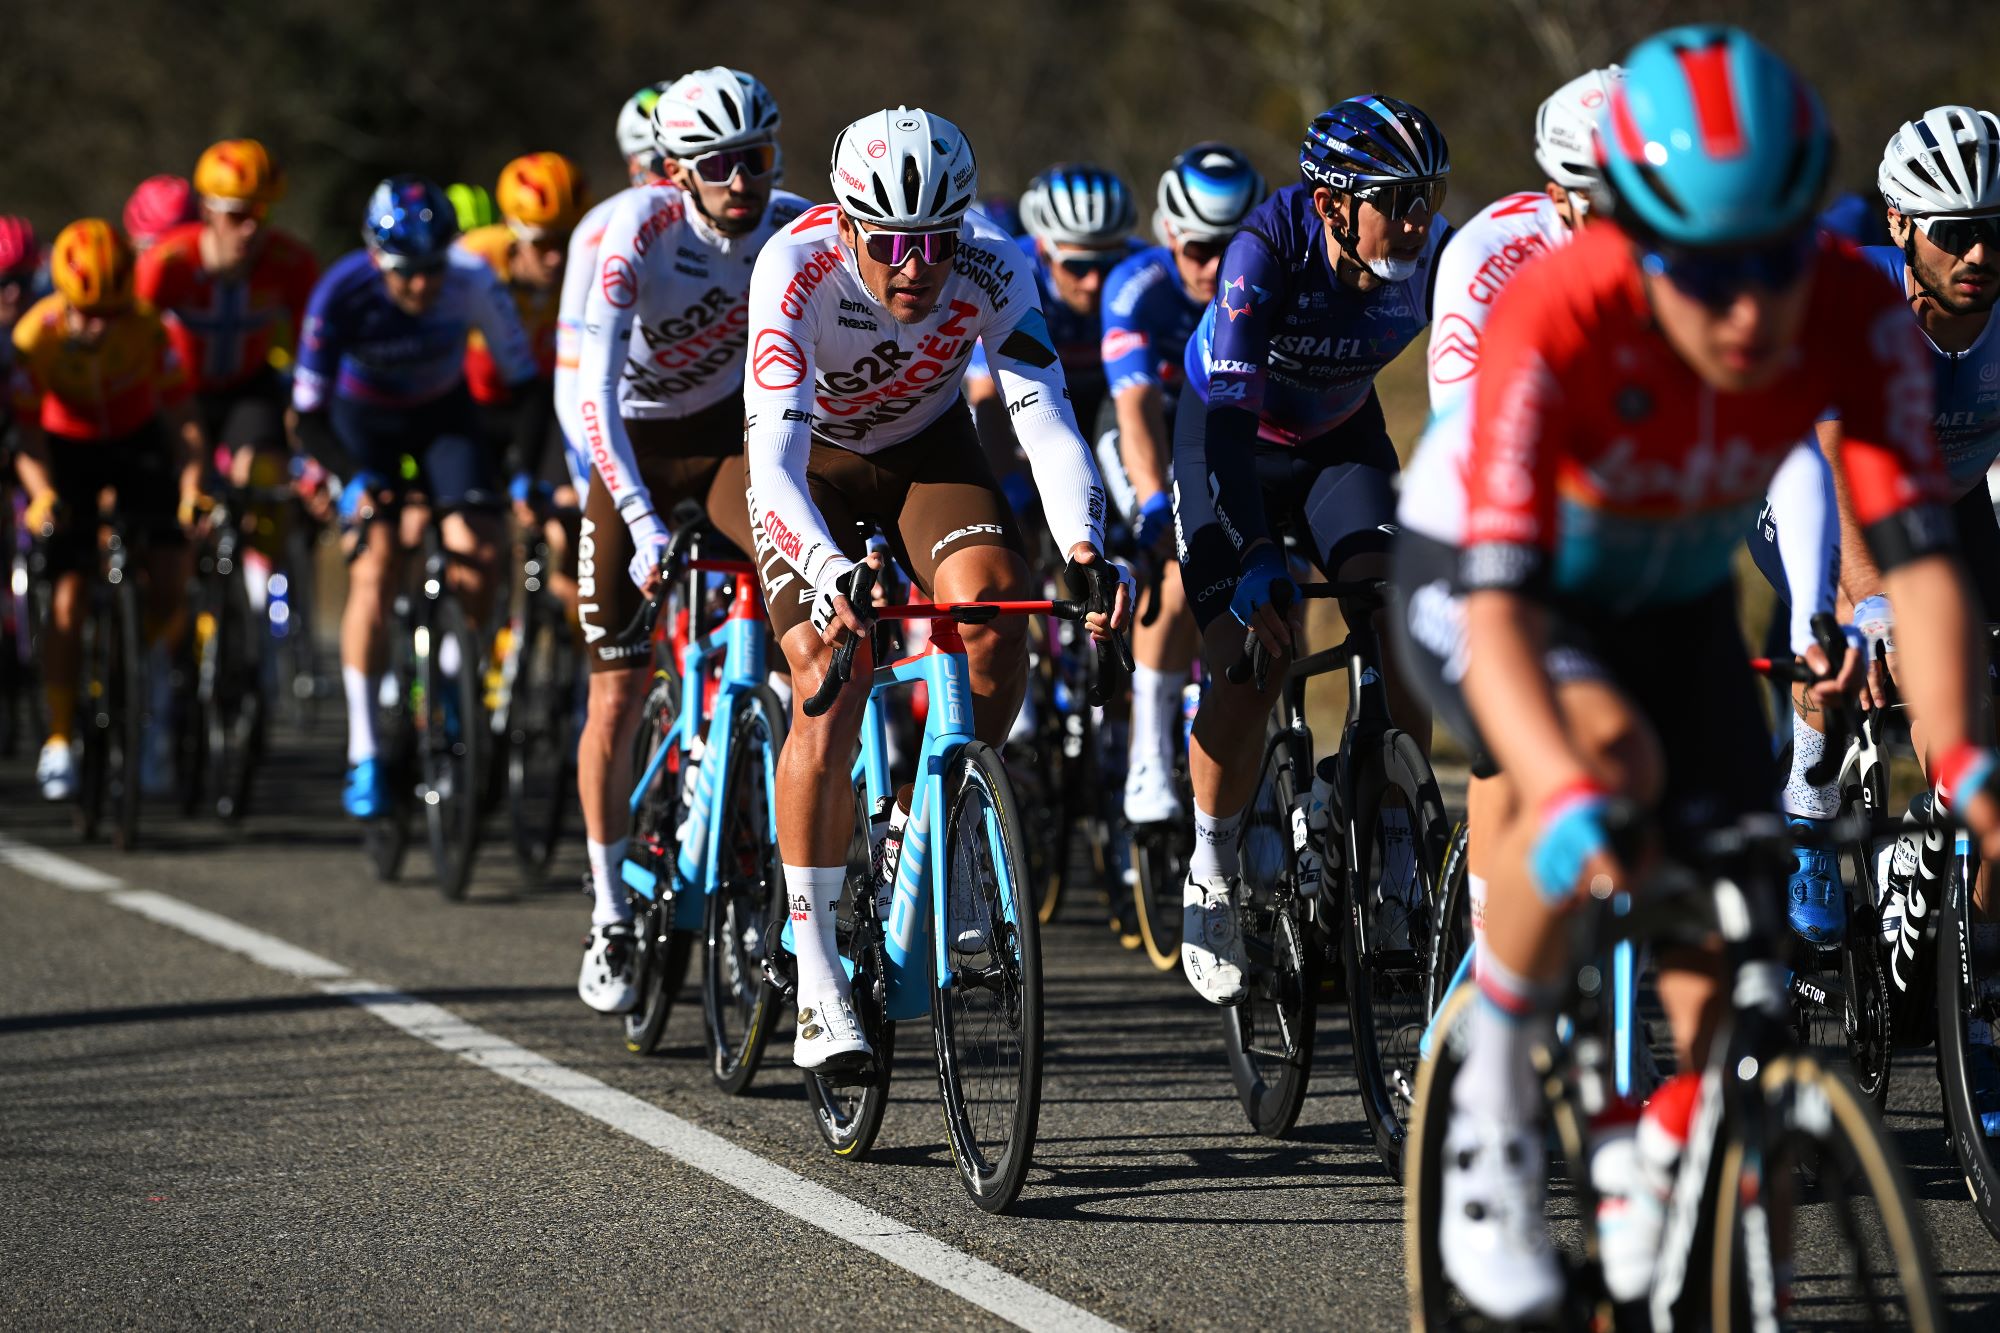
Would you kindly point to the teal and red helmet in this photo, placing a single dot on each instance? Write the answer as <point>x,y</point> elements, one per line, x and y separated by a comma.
<point>1712,141</point>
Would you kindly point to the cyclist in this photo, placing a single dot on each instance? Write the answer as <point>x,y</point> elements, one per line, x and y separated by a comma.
<point>660,396</point>
<point>1325,284</point>
<point>101,402</point>
<point>863,314</point>
<point>157,205</point>
<point>643,166</point>
<point>1152,302</point>
<point>1637,390</point>
<point>381,376</point>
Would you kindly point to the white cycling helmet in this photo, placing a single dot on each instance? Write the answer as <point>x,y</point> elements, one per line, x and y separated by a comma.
<point>1078,205</point>
<point>904,169</point>
<point>635,122</point>
<point>1948,162</point>
<point>1566,128</point>
<point>1208,191</point>
<point>712,109</point>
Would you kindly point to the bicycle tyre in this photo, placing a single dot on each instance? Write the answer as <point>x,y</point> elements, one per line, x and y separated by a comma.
<point>848,1112</point>
<point>129,724</point>
<point>1431,1297</point>
<point>1452,935</point>
<point>1867,1025</point>
<point>1959,1002</point>
<point>1388,986</point>
<point>449,751</point>
<point>661,967</point>
<point>234,716</point>
<point>541,742</point>
<point>1160,855</point>
<point>739,1001</point>
<point>94,720</point>
<point>1283,956</point>
<point>983,823</point>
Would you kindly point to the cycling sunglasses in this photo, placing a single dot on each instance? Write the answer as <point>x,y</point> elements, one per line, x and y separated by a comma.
<point>1202,253</point>
<point>1717,277</point>
<point>1399,201</point>
<point>894,248</point>
<point>411,264</point>
<point>754,160</point>
<point>1083,263</point>
<point>1957,236</point>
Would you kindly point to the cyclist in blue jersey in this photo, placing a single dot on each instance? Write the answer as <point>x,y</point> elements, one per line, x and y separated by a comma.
<point>1152,302</point>
<point>381,375</point>
<point>1325,284</point>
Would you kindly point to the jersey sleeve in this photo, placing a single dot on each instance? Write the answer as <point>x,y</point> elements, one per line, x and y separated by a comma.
<point>1457,324</point>
<point>494,314</point>
<point>1126,347</point>
<point>1031,381</point>
<point>318,367</point>
<point>1885,396</point>
<point>170,378</point>
<point>610,306</point>
<point>301,275</point>
<point>1518,439</point>
<point>1806,515</point>
<point>1249,288</point>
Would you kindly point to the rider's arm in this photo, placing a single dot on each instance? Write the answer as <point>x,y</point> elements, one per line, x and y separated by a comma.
<point>1142,438</point>
<point>1031,381</point>
<point>1802,503</point>
<point>178,415</point>
<point>1131,369</point>
<point>989,414</point>
<point>493,313</point>
<point>1859,578</point>
<point>609,310</point>
<point>1251,288</point>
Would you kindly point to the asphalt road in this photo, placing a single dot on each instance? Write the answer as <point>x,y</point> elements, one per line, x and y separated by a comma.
<point>407,1119</point>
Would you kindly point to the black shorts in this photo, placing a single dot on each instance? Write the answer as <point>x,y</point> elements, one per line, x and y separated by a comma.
<point>141,468</point>
<point>1336,494</point>
<point>251,413</point>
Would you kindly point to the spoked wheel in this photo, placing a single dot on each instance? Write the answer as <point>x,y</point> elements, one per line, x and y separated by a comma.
<point>847,1107</point>
<point>659,966</point>
<point>740,1002</point>
<point>96,710</point>
<point>987,1016</point>
<point>387,838</point>
<point>1856,1249</point>
<point>231,698</point>
<point>449,735</point>
<point>541,743</point>
<point>1269,1037</point>
<point>1434,1303</point>
<point>1399,843</point>
<point>1451,938</point>
<point>1968,1005</point>
<point>1159,859</point>
<point>661,961</point>
<point>128,693</point>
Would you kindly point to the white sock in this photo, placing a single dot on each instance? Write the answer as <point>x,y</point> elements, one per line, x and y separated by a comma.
<point>1801,797</point>
<point>1155,708</point>
<point>1214,844</point>
<point>1497,1081</point>
<point>256,580</point>
<point>360,693</point>
<point>608,889</point>
<point>449,658</point>
<point>1475,891</point>
<point>814,895</point>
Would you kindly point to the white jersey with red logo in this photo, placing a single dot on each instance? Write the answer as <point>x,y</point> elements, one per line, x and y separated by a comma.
<point>664,323</point>
<point>579,274</point>
<point>828,362</point>
<point>1471,273</point>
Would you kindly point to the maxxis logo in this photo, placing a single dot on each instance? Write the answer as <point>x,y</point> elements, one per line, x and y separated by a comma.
<point>621,283</point>
<point>777,360</point>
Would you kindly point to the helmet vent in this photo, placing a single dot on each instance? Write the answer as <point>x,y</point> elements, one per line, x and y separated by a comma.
<point>913,183</point>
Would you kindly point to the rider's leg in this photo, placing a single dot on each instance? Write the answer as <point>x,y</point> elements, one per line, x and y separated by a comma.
<point>1491,808</point>
<point>369,578</point>
<point>59,652</point>
<point>474,535</point>
<point>1161,655</point>
<point>996,654</point>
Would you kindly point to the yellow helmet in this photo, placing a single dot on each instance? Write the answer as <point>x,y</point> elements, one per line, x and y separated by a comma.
<point>542,193</point>
<point>91,265</point>
<point>241,171</point>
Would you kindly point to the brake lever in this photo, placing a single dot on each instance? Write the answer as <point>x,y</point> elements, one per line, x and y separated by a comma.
<point>842,667</point>
<point>1839,715</point>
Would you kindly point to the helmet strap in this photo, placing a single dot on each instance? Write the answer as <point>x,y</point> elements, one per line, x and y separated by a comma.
<point>1347,237</point>
<point>1910,266</point>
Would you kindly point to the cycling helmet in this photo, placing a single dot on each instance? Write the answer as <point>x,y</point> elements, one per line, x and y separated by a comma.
<point>1371,140</point>
<point>1948,162</point>
<point>542,193</point>
<point>18,251</point>
<point>91,265</point>
<point>472,205</point>
<point>712,109</point>
<point>1208,191</point>
<point>1566,128</point>
<point>635,129</point>
<point>905,169</point>
<point>1712,140</point>
<point>160,204</point>
<point>1078,205</point>
<point>409,219</point>
<point>239,171</point>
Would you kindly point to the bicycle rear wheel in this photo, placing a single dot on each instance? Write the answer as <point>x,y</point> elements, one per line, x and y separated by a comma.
<point>95,713</point>
<point>541,740</point>
<point>847,1107</point>
<point>1159,859</point>
<point>1452,936</point>
<point>233,713</point>
<point>660,965</point>
<point>448,747</point>
<point>128,700</point>
<point>1968,995</point>
<point>738,999</point>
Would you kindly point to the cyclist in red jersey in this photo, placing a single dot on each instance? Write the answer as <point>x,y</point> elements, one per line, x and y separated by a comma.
<point>1636,393</point>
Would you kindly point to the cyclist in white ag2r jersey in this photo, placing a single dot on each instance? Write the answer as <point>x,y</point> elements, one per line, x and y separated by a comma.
<point>659,398</point>
<point>863,314</point>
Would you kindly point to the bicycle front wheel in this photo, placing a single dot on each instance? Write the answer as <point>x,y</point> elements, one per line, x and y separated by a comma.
<point>987,1014</point>
<point>541,740</point>
<point>747,896</point>
<point>1159,861</point>
<point>128,691</point>
<point>1967,998</point>
<point>448,746</point>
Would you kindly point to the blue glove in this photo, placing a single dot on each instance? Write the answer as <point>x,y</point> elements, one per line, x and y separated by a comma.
<point>358,491</point>
<point>1572,832</point>
<point>1263,571</point>
<point>521,488</point>
<point>1155,516</point>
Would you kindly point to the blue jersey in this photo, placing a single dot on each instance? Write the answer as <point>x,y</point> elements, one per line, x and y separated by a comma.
<point>1075,337</point>
<point>1147,319</point>
<point>356,344</point>
<point>1968,390</point>
<point>1285,338</point>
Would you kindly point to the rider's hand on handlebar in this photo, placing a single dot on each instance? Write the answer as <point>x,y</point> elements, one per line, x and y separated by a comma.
<point>1877,623</point>
<point>1832,690</point>
<point>834,615</point>
<point>1572,848</point>
<point>1156,519</point>
<point>649,539</point>
<point>1263,571</point>
<point>40,516</point>
<point>1101,626</point>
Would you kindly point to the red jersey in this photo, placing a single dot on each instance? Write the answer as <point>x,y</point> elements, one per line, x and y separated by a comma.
<point>102,390</point>
<point>227,331</point>
<point>1604,469</point>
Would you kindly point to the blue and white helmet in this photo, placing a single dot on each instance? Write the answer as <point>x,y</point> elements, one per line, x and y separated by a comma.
<point>1208,191</point>
<point>1372,140</point>
<point>410,221</point>
<point>1079,205</point>
<point>1948,162</point>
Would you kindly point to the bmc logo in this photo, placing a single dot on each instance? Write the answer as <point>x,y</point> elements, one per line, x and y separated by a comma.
<point>777,362</point>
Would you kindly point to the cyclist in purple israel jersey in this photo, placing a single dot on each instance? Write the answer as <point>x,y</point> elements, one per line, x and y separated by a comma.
<point>1326,282</point>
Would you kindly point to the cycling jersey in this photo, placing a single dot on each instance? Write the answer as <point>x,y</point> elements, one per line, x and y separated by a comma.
<point>1148,316</point>
<point>535,307</point>
<point>1285,339</point>
<point>1604,471</point>
<point>1967,423</point>
<point>105,390</point>
<point>1077,338</point>
<point>663,324</point>
<point>358,345</point>
<point>826,360</point>
<point>579,276</point>
<point>228,330</point>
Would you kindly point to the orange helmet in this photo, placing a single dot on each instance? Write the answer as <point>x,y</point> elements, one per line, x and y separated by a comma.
<point>91,266</point>
<point>542,193</point>
<point>240,171</point>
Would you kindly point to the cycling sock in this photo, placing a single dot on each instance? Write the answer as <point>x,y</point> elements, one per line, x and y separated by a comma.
<point>449,658</point>
<point>1497,1081</point>
<point>814,894</point>
<point>1475,892</point>
<point>1155,696</point>
<point>1802,798</point>
<point>1214,844</point>
<point>62,711</point>
<point>360,693</point>
<point>608,893</point>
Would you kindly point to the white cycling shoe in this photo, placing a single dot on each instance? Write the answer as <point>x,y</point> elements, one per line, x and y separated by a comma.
<point>606,982</point>
<point>1492,1233</point>
<point>55,772</point>
<point>1211,943</point>
<point>829,1034</point>
<point>1150,797</point>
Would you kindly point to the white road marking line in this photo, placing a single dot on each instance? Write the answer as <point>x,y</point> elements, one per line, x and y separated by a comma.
<point>974,1280</point>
